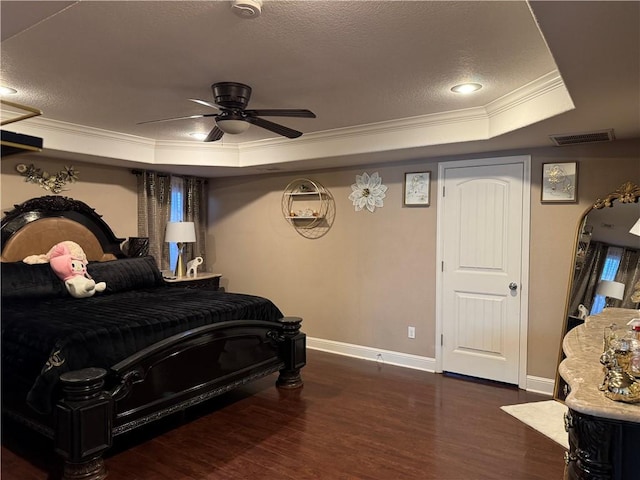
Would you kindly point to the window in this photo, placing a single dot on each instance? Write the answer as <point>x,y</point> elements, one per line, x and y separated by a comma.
<point>176,215</point>
<point>611,265</point>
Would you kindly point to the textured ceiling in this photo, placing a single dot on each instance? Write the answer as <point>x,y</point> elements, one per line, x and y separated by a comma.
<point>110,65</point>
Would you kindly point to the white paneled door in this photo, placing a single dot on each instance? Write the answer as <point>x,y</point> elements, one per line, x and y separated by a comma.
<point>481,254</point>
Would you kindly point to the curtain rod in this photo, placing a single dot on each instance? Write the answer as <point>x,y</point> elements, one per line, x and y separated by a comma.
<point>164,174</point>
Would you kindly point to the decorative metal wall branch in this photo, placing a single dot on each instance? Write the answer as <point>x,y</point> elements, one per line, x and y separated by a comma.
<point>50,182</point>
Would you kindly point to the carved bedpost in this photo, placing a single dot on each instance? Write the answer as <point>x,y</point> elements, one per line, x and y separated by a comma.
<point>83,424</point>
<point>293,352</point>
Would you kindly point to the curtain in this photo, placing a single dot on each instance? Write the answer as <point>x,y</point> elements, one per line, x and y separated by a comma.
<point>161,194</point>
<point>585,279</point>
<point>195,210</point>
<point>629,274</point>
<point>154,199</point>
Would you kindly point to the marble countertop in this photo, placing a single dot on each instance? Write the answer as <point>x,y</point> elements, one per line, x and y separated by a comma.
<point>583,371</point>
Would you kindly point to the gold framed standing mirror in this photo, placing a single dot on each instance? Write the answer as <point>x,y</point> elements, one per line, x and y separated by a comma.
<point>604,232</point>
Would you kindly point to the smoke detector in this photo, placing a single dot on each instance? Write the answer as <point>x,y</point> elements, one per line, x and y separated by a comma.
<point>247,8</point>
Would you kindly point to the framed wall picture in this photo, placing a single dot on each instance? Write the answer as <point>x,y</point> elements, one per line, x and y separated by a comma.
<point>416,189</point>
<point>559,182</point>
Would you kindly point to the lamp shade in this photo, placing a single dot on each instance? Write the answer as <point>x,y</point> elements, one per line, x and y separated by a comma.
<point>636,228</point>
<point>180,232</point>
<point>610,289</point>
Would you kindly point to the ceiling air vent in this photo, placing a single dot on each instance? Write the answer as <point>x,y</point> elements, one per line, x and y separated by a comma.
<point>587,137</point>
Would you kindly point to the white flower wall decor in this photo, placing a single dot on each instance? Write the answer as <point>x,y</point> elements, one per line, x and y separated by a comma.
<point>368,191</point>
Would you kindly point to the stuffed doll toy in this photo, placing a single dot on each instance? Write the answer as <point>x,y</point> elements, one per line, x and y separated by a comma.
<point>74,249</point>
<point>72,270</point>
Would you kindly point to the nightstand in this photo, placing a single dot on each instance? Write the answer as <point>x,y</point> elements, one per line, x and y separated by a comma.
<point>202,280</point>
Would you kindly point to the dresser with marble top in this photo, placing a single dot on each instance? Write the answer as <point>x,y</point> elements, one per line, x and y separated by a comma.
<point>604,435</point>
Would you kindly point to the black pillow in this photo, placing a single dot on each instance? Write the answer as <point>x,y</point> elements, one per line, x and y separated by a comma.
<point>22,281</point>
<point>126,274</point>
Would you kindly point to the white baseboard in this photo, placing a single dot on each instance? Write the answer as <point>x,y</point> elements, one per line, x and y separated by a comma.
<point>534,384</point>
<point>389,357</point>
<point>540,385</point>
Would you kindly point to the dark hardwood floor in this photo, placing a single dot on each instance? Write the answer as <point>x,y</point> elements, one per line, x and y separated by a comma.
<point>352,420</point>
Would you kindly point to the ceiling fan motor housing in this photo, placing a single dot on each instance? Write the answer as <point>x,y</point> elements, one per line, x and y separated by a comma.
<point>231,94</point>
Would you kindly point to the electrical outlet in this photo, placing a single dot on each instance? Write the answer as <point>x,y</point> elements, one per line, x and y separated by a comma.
<point>411,332</point>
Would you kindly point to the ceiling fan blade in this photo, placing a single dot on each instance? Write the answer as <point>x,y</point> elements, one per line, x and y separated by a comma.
<point>283,112</point>
<point>179,118</point>
<point>274,127</point>
<point>205,103</point>
<point>214,134</point>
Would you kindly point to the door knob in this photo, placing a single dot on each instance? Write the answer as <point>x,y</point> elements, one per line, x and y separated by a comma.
<point>513,286</point>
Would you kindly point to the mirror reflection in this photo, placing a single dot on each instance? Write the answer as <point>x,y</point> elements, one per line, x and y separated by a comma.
<point>607,263</point>
<point>607,268</point>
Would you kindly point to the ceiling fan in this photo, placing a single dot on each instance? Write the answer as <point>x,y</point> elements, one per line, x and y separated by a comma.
<point>231,99</point>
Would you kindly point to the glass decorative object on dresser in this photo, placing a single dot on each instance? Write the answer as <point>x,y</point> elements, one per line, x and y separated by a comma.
<point>308,207</point>
<point>621,358</point>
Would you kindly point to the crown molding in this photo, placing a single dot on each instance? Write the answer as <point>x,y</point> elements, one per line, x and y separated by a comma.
<point>542,98</point>
<point>528,93</point>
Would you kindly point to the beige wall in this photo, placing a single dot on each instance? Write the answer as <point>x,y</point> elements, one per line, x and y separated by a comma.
<point>363,282</point>
<point>372,275</point>
<point>601,170</point>
<point>110,190</point>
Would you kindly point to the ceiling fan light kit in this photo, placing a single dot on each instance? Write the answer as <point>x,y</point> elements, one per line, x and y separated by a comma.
<point>232,126</point>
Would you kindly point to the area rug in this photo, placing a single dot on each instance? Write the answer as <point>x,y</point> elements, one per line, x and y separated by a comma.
<point>546,417</point>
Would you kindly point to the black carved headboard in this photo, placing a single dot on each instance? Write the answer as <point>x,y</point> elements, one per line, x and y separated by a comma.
<point>34,226</point>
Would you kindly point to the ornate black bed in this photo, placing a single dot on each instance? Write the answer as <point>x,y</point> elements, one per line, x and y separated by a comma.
<point>82,371</point>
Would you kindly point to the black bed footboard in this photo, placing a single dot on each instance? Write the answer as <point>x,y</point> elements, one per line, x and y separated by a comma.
<point>192,367</point>
<point>169,376</point>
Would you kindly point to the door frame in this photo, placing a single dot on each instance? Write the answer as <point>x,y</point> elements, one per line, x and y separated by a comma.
<point>525,160</point>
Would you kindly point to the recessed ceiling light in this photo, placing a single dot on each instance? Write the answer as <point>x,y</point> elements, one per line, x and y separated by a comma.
<point>198,135</point>
<point>466,88</point>
<point>7,90</point>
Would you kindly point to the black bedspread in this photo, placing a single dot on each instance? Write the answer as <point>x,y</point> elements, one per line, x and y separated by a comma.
<point>44,337</point>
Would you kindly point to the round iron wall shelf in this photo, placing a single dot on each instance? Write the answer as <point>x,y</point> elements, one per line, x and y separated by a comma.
<point>308,207</point>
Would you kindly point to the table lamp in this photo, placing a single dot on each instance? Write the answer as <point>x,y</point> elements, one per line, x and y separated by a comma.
<point>180,233</point>
<point>609,289</point>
